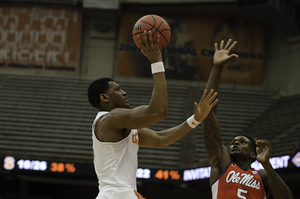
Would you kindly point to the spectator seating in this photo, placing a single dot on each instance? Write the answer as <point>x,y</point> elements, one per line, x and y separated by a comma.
<point>46,117</point>
<point>280,125</point>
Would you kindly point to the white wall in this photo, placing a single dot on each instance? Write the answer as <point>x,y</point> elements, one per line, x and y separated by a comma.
<point>98,53</point>
<point>282,63</point>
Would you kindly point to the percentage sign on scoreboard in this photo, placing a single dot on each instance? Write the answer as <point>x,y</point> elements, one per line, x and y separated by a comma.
<point>61,167</point>
<point>174,175</point>
<point>70,167</point>
<point>160,174</point>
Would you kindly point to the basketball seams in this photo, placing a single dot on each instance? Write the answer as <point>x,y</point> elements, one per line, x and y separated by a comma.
<point>147,24</point>
<point>160,32</point>
<point>151,27</point>
<point>154,20</point>
<point>156,30</point>
<point>164,35</point>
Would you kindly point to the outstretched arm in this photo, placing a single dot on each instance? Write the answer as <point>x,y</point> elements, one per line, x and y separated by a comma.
<point>217,154</point>
<point>164,138</point>
<point>274,184</point>
<point>221,58</point>
<point>157,109</point>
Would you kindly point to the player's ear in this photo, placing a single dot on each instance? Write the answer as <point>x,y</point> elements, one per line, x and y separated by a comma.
<point>253,155</point>
<point>104,97</point>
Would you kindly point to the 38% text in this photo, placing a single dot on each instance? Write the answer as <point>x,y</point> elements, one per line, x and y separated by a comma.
<point>61,167</point>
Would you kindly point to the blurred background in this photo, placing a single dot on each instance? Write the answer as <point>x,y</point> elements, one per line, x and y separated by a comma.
<point>51,50</point>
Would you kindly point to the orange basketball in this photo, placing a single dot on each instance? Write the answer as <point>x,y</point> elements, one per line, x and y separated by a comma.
<point>157,25</point>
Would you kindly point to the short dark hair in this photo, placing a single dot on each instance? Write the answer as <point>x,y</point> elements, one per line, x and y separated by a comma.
<point>253,145</point>
<point>96,88</point>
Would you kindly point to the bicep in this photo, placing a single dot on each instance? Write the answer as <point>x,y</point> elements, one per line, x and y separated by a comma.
<point>139,117</point>
<point>148,137</point>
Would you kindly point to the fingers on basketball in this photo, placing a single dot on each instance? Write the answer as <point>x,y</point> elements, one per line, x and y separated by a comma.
<point>157,25</point>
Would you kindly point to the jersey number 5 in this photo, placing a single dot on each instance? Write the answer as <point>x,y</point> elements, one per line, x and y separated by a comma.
<point>240,192</point>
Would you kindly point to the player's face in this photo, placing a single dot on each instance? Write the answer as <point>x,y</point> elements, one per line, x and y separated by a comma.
<point>240,145</point>
<point>118,97</point>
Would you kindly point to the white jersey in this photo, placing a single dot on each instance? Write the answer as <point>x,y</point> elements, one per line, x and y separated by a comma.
<point>116,165</point>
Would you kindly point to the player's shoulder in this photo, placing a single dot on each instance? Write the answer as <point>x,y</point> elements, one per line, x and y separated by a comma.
<point>101,118</point>
<point>264,177</point>
<point>114,118</point>
<point>118,111</point>
<point>100,115</point>
<point>263,174</point>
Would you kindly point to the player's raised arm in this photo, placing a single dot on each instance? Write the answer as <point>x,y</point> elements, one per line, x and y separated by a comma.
<point>221,58</point>
<point>157,109</point>
<point>274,184</point>
<point>164,138</point>
<point>217,154</point>
<point>159,100</point>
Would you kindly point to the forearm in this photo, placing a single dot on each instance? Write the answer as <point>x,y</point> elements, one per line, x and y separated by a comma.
<point>171,135</point>
<point>214,80</point>
<point>159,100</point>
<point>214,77</point>
<point>277,187</point>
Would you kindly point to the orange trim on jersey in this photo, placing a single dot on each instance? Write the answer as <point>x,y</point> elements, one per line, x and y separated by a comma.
<point>139,196</point>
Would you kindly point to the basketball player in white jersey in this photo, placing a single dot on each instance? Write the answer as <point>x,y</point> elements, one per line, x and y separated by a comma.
<point>118,131</point>
<point>231,173</point>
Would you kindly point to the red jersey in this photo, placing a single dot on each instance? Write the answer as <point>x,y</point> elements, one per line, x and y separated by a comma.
<point>236,182</point>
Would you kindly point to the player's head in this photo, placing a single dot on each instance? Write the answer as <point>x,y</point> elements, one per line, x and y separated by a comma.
<point>105,94</point>
<point>243,147</point>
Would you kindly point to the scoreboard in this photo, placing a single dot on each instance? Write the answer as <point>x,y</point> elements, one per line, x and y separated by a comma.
<point>19,165</point>
<point>14,164</point>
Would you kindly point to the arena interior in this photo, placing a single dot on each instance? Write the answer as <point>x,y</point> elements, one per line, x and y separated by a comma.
<point>51,50</point>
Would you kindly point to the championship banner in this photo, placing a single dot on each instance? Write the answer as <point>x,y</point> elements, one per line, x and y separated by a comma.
<point>189,54</point>
<point>42,40</point>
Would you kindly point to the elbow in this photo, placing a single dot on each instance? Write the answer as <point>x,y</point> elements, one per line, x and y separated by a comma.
<point>163,113</point>
<point>161,142</point>
<point>157,114</point>
<point>162,145</point>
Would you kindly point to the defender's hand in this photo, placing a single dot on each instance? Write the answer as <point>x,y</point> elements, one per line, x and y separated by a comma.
<point>264,155</point>
<point>221,56</point>
<point>150,50</point>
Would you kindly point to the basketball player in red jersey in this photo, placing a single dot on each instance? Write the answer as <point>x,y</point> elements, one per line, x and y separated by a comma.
<point>231,174</point>
<point>118,131</point>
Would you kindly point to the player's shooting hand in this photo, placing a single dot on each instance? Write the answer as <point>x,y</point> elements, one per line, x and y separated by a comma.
<point>205,105</point>
<point>264,154</point>
<point>221,56</point>
<point>150,50</point>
